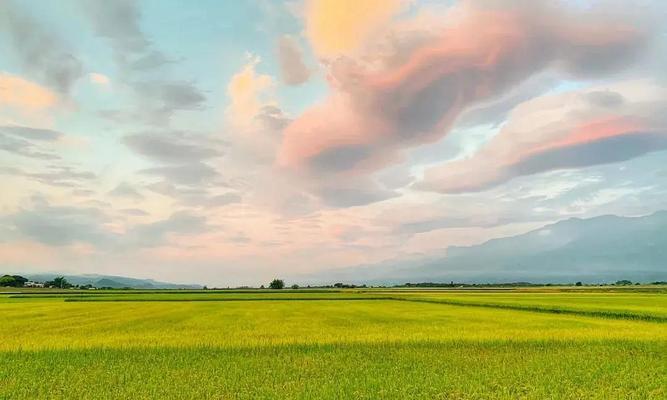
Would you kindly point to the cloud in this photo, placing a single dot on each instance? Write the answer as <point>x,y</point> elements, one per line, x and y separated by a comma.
<point>223,200</point>
<point>174,147</point>
<point>134,212</point>
<point>40,52</point>
<point>64,226</point>
<point>39,134</point>
<point>124,189</point>
<point>167,188</point>
<point>134,54</point>
<point>413,92</point>
<point>159,101</point>
<point>99,79</point>
<point>55,175</point>
<point>60,226</point>
<point>352,193</point>
<point>188,174</point>
<point>170,96</point>
<point>29,142</point>
<point>120,23</point>
<point>293,71</point>
<point>337,28</point>
<point>253,147</point>
<point>193,192</point>
<point>182,163</point>
<point>16,144</point>
<point>83,192</point>
<point>156,233</point>
<point>18,93</point>
<point>247,91</point>
<point>495,112</point>
<point>576,129</point>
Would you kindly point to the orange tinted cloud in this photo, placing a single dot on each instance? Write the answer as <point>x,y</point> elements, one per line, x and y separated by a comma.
<point>99,79</point>
<point>246,90</point>
<point>19,93</point>
<point>337,27</point>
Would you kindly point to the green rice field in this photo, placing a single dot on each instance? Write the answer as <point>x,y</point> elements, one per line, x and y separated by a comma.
<point>326,344</point>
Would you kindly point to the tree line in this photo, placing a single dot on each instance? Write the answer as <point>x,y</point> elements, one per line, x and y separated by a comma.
<point>19,281</point>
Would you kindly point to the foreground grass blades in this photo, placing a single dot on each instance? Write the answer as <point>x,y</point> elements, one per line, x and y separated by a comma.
<point>452,370</point>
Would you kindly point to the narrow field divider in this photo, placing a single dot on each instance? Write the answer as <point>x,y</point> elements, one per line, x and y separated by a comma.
<point>109,300</point>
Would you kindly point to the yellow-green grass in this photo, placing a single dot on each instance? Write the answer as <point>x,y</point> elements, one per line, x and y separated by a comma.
<point>649,306</point>
<point>593,302</point>
<point>382,348</point>
<point>421,370</point>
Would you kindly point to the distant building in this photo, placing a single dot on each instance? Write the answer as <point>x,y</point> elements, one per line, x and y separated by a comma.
<point>33,284</point>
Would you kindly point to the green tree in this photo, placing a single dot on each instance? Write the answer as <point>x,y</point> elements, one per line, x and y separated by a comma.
<point>7,281</point>
<point>578,284</point>
<point>12,281</point>
<point>277,284</point>
<point>59,282</point>
<point>295,286</point>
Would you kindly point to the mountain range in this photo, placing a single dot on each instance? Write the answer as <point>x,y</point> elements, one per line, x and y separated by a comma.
<point>116,282</point>
<point>600,249</point>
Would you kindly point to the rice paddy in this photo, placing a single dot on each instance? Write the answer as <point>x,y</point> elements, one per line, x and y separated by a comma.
<point>388,344</point>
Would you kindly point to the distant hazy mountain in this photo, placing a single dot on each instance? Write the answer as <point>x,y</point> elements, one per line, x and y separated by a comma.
<point>112,281</point>
<point>601,249</point>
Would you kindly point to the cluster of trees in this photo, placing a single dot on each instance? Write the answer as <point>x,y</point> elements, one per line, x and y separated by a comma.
<point>58,282</point>
<point>277,284</point>
<point>19,281</point>
<point>280,284</point>
<point>12,281</point>
<point>340,285</point>
<point>454,284</point>
<point>429,284</point>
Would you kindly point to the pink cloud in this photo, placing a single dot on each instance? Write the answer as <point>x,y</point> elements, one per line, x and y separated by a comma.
<point>589,132</point>
<point>563,131</point>
<point>384,103</point>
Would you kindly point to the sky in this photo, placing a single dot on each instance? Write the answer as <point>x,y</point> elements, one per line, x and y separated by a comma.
<point>228,143</point>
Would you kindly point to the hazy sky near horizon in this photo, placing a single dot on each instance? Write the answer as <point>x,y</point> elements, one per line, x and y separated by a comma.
<point>231,142</point>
